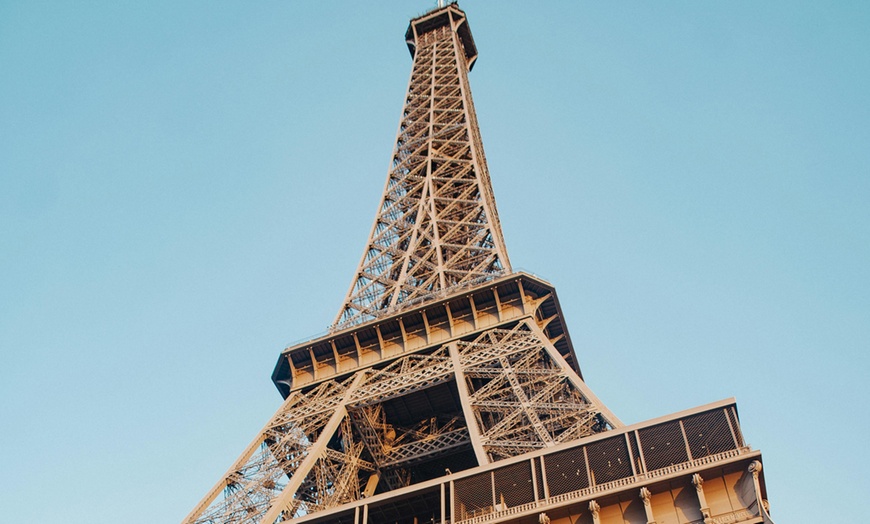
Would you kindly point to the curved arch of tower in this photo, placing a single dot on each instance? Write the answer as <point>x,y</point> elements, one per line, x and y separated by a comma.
<point>448,389</point>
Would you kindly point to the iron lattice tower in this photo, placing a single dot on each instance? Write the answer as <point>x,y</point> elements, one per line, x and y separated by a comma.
<point>448,389</point>
<point>437,227</point>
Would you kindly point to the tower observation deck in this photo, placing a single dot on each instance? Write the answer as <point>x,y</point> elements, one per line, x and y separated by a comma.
<point>448,389</point>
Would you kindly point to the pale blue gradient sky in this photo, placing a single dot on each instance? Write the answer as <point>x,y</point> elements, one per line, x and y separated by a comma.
<point>187,187</point>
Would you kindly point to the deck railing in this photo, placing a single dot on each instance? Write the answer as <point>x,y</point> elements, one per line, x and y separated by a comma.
<point>610,462</point>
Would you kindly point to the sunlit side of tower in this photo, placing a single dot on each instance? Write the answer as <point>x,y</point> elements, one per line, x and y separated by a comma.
<point>448,389</point>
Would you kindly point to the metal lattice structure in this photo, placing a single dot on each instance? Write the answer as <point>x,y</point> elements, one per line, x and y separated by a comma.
<point>521,395</point>
<point>448,390</point>
<point>437,227</point>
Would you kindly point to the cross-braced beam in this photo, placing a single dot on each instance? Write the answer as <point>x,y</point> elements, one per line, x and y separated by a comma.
<point>521,397</point>
<point>336,442</point>
<point>262,484</point>
<point>437,227</point>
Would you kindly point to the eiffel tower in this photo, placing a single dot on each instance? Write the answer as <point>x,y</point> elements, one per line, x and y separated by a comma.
<point>448,389</point>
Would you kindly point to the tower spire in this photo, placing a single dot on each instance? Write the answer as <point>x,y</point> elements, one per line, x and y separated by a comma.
<point>436,227</point>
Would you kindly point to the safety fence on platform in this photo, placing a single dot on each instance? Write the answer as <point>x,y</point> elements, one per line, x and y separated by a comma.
<point>625,456</point>
<point>622,458</point>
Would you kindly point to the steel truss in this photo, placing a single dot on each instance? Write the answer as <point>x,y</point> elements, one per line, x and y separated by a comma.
<point>521,396</point>
<point>437,227</point>
<point>335,444</point>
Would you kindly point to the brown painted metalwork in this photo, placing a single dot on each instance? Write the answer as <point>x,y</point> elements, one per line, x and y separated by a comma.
<point>437,227</point>
<point>448,389</point>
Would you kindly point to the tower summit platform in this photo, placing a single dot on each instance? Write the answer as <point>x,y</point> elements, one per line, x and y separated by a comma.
<point>449,16</point>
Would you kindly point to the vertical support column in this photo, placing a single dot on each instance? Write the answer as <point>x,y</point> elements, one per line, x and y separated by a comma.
<point>404,334</point>
<point>645,496</point>
<point>732,419</point>
<point>453,502</point>
<point>497,304</point>
<point>544,478</point>
<point>590,477</point>
<point>467,409</point>
<point>594,508</point>
<point>640,450</point>
<point>702,500</point>
<point>427,327</point>
<point>475,318</point>
<point>686,440</point>
<point>450,322</point>
<point>534,480</point>
<point>381,345</point>
<point>492,483</point>
<point>755,469</point>
<point>527,310</point>
<point>443,506</point>
<point>630,454</point>
<point>731,427</point>
<point>433,211</point>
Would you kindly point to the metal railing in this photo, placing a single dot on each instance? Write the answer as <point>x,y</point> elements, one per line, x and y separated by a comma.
<point>612,461</point>
<point>608,464</point>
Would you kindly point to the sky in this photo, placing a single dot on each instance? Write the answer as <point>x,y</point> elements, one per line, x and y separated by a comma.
<point>186,188</point>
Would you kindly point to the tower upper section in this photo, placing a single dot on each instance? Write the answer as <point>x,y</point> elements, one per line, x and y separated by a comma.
<point>436,228</point>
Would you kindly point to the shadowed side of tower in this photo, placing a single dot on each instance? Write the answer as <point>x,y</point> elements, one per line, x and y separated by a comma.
<point>448,389</point>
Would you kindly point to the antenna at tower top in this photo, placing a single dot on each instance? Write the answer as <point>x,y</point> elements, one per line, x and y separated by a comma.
<point>440,4</point>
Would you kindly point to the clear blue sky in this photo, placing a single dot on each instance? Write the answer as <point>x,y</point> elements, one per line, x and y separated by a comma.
<point>186,187</point>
